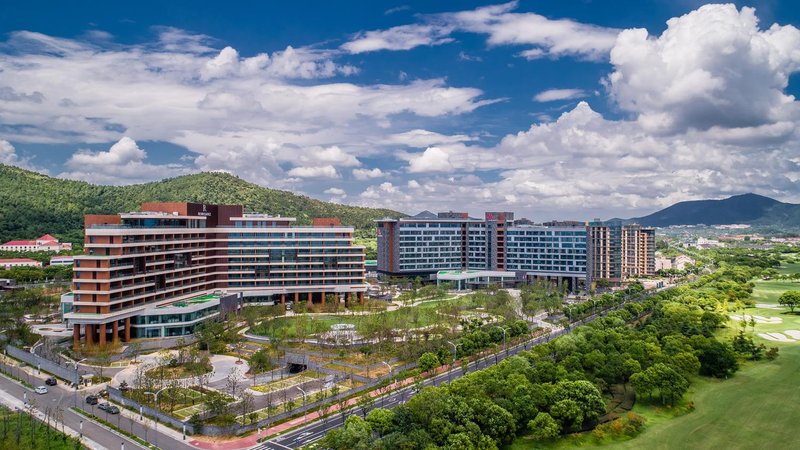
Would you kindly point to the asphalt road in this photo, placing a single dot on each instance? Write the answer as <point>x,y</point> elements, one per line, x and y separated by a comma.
<point>314,431</point>
<point>62,396</point>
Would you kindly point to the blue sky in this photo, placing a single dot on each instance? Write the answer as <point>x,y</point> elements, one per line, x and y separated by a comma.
<point>574,109</point>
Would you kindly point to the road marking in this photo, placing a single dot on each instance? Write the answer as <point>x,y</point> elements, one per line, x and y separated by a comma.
<point>279,445</point>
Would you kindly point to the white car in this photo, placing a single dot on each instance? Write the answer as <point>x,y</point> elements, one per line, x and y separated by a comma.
<point>41,390</point>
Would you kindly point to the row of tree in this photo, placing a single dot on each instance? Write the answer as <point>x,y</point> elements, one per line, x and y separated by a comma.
<point>559,386</point>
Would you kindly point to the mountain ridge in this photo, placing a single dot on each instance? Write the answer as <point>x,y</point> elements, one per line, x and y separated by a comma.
<point>32,203</point>
<point>749,208</point>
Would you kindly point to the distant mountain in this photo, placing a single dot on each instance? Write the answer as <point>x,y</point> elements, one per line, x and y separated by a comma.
<point>746,209</point>
<point>32,204</point>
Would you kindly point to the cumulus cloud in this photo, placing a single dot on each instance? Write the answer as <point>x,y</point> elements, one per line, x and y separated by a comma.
<point>552,95</point>
<point>123,163</point>
<point>335,191</point>
<point>367,174</point>
<point>244,114</point>
<point>314,172</point>
<point>9,156</point>
<point>713,67</point>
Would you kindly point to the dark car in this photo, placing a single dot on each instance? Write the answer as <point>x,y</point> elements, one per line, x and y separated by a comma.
<point>51,381</point>
<point>104,406</point>
<point>92,399</point>
<point>112,409</point>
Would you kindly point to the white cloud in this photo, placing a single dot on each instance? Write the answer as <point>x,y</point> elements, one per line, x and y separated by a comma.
<point>551,95</point>
<point>550,37</point>
<point>423,138</point>
<point>710,67</point>
<point>314,172</point>
<point>123,163</point>
<point>335,191</point>
<point>332,155</point>
<point>366,174</point>
<point>236,113</point>
<point>403,37</point>
<point>9,156</point>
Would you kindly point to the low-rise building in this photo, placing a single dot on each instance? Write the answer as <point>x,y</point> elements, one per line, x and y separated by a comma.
<point>45,243</point>
<point>62,260</point>
<point>19,262</point>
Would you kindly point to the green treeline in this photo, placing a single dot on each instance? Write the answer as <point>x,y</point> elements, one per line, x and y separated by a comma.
<point>561,386</point>
<point>32,204</point>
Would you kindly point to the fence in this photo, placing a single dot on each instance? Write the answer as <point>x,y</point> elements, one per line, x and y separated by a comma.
<point>66,373</point>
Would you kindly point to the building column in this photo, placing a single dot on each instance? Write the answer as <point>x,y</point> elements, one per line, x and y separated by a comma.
<point>115,331</point>
<point>361,297</point>
<point>127,329</point>
<point>283,299</point>
<point>76,337</point>
<point>296,297</point>
<point>323,297</point>
<point>88,331</point>
<point>102,334</point>
<point>346,299</point>
<point>310,297</point>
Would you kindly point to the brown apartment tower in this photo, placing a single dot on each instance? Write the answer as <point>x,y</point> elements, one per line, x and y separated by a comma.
<point>160,271</point>
<point>616,252</point>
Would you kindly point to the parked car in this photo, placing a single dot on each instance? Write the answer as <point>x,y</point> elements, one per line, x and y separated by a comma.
<point>104,406</point>
<point>41,390</point>
<point>92,399</point>
<point>112,410</point>
<point>51,381</point>
<point>103,393</point>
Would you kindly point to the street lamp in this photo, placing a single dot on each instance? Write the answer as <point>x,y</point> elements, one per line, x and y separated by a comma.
<point>505,349</point>
<point>455,352</point>
<point>391,370</point>
<point>304,401</point>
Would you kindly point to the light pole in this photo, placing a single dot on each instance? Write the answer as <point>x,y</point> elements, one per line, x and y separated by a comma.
<point>81,427</point>
<point>391,370</point>
<point>304,401</point>
<point>455,352</point>
<point>155,399</point>
<point>505,349</point>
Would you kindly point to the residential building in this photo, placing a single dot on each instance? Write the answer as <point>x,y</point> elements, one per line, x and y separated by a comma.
<point>616,252</point>
<point>46,243</point>
<point>19,262</point>
<point>159,271</point>
<point>552,251</point>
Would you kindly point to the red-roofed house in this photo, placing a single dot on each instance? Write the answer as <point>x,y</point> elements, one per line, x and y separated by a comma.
<point>46,243</point>
<point>19,262</point>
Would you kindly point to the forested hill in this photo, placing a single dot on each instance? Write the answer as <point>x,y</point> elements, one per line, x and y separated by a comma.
<point>747,208</point>
<point>32,204</point>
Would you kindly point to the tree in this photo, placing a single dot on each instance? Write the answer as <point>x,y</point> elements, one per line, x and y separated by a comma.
<point>355,435</point>
<point>134,349</point>
<point>428,361</point>
<point>380,419</point>
<point>246,405</point>
<point>568,412</point>
<point>790,299</point>
<point>259,363</point>
<point>544,427</point>
<point>718,360</point>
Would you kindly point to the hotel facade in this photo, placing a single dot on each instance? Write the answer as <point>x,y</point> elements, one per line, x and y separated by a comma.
<point>160,271</point>
<point>500,248</point>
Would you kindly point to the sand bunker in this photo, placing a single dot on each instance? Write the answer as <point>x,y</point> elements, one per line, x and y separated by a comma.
<point>777,337</point>
<point>758,319</point>
<point>794,334</point>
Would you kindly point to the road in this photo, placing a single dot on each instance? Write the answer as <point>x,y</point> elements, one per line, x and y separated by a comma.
<point>314,431</point>
<point>65,398</point>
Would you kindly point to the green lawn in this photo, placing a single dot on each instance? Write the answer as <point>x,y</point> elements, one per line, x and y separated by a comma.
<point>756,409</point>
